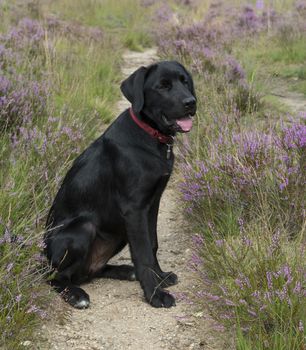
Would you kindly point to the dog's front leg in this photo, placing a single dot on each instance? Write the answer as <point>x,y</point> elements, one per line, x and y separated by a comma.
<point>167,278</point>
<point>137,227</point>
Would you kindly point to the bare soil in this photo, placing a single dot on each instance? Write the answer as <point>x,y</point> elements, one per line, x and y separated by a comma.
<point>292,100</point>
<point>118,317</point>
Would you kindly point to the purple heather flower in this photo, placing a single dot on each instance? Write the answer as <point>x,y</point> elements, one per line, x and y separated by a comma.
<point>239,283</point>
<point>297,288</point>
<point>287,273</point>
<point>300,5</point>
<point>275,244</point>
<point>256,294</point>
<point>219,242</point>
<point>269,280</point>
<point>163,14</point>
<point>246,241</point>
<point>195,259</point>
<point>294,136</point>
<point>211,297</point>
<point>229,302</point>
<point>198,240</point>
<point>260,4</point>
<point>268,296</point>
<point>301,326</point>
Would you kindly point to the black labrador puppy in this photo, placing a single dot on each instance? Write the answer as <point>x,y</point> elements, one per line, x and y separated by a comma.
<point>111,194</point>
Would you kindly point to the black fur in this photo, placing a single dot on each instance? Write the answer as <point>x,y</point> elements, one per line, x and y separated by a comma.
<point>111,194</point>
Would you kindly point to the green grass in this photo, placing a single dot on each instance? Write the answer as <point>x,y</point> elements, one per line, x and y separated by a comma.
<point>126,19</point>
<point>272,58</point>
<point>86,78</point>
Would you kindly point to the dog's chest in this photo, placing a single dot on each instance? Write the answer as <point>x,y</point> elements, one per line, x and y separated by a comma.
<point>167,167</point>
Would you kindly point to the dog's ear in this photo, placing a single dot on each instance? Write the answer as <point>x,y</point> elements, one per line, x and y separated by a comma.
<point>190,80</point>
<point>132,88</point>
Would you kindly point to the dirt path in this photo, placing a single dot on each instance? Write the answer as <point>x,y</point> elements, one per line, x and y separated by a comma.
<point>118,317</point>
<point>292,100</point>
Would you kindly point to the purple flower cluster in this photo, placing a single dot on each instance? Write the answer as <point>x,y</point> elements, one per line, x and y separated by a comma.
<point>243,188</point>
<point>300,6</point>
<point>50,140</point>
<point>73,30</point>
<point>34,137</point>
<point>248,19</point>
<point>28,34</point>
<point>240,165</point>
<point>205,47</point>
<point>21,97</point>
<point>163,14</point>
<point>245,281</point>
<point>294,136</point>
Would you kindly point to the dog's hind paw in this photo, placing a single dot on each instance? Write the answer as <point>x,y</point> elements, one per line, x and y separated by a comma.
<point>77,298</point>
<point>81,304</point>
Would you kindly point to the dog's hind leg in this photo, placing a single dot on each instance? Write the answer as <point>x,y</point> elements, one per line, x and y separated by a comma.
<point>118,272</point>
<point>68,250</point>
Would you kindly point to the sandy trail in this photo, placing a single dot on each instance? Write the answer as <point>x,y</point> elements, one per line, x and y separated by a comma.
<point>118,317</point>
<point>292,100</point>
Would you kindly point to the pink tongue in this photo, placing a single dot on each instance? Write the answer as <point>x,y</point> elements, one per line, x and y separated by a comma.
<point>185,124</point>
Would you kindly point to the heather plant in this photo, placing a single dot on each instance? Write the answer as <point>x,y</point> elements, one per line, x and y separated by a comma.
<point>22,299</point>
<point>243,187</point>
<point>58,86</point>
<point>258,171</point>
<point>256,281</point>
<point>277,51</point>
<point>23,92</point>
<point>244,194</point>
<point>203,46</point>
<point>243,176</point>
<point>32,167</point>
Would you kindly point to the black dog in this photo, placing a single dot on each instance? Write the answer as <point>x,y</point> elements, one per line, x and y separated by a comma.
<point>110,196</point>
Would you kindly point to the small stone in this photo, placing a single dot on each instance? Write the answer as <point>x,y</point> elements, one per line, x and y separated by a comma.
<point>26,343</point>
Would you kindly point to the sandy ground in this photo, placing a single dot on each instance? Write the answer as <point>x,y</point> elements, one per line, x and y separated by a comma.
<point>292,100</point>
<point>118,317</point>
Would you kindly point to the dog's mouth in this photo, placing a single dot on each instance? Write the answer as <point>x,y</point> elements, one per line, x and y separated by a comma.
<point>181,125</point>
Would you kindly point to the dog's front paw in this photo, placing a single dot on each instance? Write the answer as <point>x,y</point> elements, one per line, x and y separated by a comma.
<point>168,279</point>
<point>161,298</point>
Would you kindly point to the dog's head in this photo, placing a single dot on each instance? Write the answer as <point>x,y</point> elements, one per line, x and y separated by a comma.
<point>163,93</point>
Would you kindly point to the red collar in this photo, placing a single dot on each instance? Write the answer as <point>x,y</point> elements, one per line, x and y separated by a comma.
<point>152,132</point>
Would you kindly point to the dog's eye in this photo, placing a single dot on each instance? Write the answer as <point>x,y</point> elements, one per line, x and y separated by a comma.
<point>183,79</point>
<point>165,84</point>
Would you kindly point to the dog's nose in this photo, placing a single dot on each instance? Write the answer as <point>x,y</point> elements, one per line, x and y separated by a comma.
<point>189,102</point>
